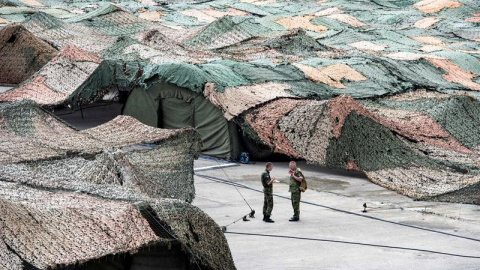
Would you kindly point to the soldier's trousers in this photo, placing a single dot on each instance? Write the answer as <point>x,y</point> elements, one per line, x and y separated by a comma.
<point>296,203</point>
<point>267,201</point>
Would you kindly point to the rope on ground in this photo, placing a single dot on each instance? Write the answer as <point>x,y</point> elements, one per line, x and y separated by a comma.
<point>356,243</point>
<point>252,212</point>
<point>220,180</point>
<point>224,228</point>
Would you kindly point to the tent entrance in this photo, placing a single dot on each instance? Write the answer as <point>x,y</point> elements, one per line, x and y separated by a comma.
<point>176,113</point>
<point>166,105</point>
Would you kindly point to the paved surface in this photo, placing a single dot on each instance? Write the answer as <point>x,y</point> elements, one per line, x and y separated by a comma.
<point>347,191</point>
<point>4,88</point>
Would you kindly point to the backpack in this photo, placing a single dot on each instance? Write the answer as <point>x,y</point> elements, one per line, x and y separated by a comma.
<point>303,184</point>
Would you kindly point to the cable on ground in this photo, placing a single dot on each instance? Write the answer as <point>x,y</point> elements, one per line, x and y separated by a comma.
<point>229,182</point>
<point>355,243</point>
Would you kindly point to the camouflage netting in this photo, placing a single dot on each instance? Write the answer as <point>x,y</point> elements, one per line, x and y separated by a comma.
<point>423,147</point>
<point>58,80</point>
<point>49,227</point>
<point>106,154</point>
<point>21,54</point>
<point>86,191</point>
<point>389,87</point>
<point>320,49</point>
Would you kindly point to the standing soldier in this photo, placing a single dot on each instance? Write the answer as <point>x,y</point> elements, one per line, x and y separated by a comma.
<point>268,193</point>
<point>296,177</point>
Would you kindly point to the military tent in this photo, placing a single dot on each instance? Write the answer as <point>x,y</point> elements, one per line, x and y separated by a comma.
<point>165,105</point>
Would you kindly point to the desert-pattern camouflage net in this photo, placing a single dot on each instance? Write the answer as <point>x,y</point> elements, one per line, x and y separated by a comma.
<point>388,87</point>
<point>58,80</point>
<point>68,197</point>
<point>21,54</point>
<point>111,153</point>
<point>56,226</point>
<point>48,228</point>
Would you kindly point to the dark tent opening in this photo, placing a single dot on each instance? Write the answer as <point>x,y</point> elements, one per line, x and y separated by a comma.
<point>156,257</point>
<point>166,105</point>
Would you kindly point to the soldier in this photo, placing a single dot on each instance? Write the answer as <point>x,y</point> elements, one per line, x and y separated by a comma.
<point>296,177</point>
<point>268,193</point>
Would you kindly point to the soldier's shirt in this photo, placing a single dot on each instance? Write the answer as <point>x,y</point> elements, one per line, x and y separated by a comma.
<point>265,179</point>
<point>294,184</point>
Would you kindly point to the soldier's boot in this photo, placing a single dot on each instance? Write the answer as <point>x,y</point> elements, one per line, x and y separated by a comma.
<point>264,217</point>
<point>294,219</point>
<point>268,219</point>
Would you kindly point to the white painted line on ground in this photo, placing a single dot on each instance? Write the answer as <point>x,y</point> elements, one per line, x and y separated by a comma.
<point>208,168</point>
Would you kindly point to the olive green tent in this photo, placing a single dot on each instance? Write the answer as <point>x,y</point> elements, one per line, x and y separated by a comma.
<point>166,105</point>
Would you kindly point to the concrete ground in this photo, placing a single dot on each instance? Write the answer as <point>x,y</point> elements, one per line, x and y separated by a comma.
<point>342,190</point>
<point>4,88</point>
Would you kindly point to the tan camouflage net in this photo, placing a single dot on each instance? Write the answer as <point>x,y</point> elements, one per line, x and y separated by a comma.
<point>264,120</point>
<point>163,168</point>
<point>8,259</point>
<point>55,82</point>
<point>364,64</point>
<point>21,54</point>
<point>249,57</point>
<point>234,101</point>
<point>310,135</point>
<point>58,228</point>
<point>432,6</point>
<point>73,197</point>
<point>49,227</point>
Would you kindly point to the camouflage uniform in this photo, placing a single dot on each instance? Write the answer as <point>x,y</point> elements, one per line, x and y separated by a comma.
<point>268,194</point>
<point>295,192</point>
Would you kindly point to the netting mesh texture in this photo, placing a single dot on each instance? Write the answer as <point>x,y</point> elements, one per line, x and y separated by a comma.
<point>77,191</point>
